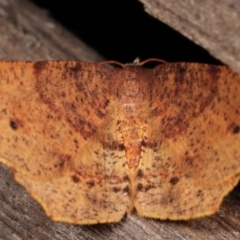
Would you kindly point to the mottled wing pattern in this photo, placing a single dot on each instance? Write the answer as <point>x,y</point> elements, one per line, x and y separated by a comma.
<point>89,143</point>
<point>192,158</point>
<point>57,134</point>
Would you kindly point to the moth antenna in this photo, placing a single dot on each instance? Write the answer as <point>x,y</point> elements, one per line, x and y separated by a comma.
<point>151,60</point>
<point>111,62</point>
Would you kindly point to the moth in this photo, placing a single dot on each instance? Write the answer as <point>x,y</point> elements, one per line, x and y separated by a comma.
<point>91,143</point>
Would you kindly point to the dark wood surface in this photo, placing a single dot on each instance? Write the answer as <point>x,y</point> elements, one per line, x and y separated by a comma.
<point>213,24</point>
<point>27,33</point>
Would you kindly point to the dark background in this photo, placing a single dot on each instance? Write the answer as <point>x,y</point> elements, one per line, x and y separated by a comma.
<point>121,30</point>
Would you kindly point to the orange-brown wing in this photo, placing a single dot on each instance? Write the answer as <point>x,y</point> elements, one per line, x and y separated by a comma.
<point>191,159</point>
<point>59,133</point>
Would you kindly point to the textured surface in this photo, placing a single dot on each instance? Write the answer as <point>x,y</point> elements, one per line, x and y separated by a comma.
<point>213,24</point>
<point>91,143</point>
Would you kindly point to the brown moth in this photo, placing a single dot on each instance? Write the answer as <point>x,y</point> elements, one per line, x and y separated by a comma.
<point>91,143</point>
